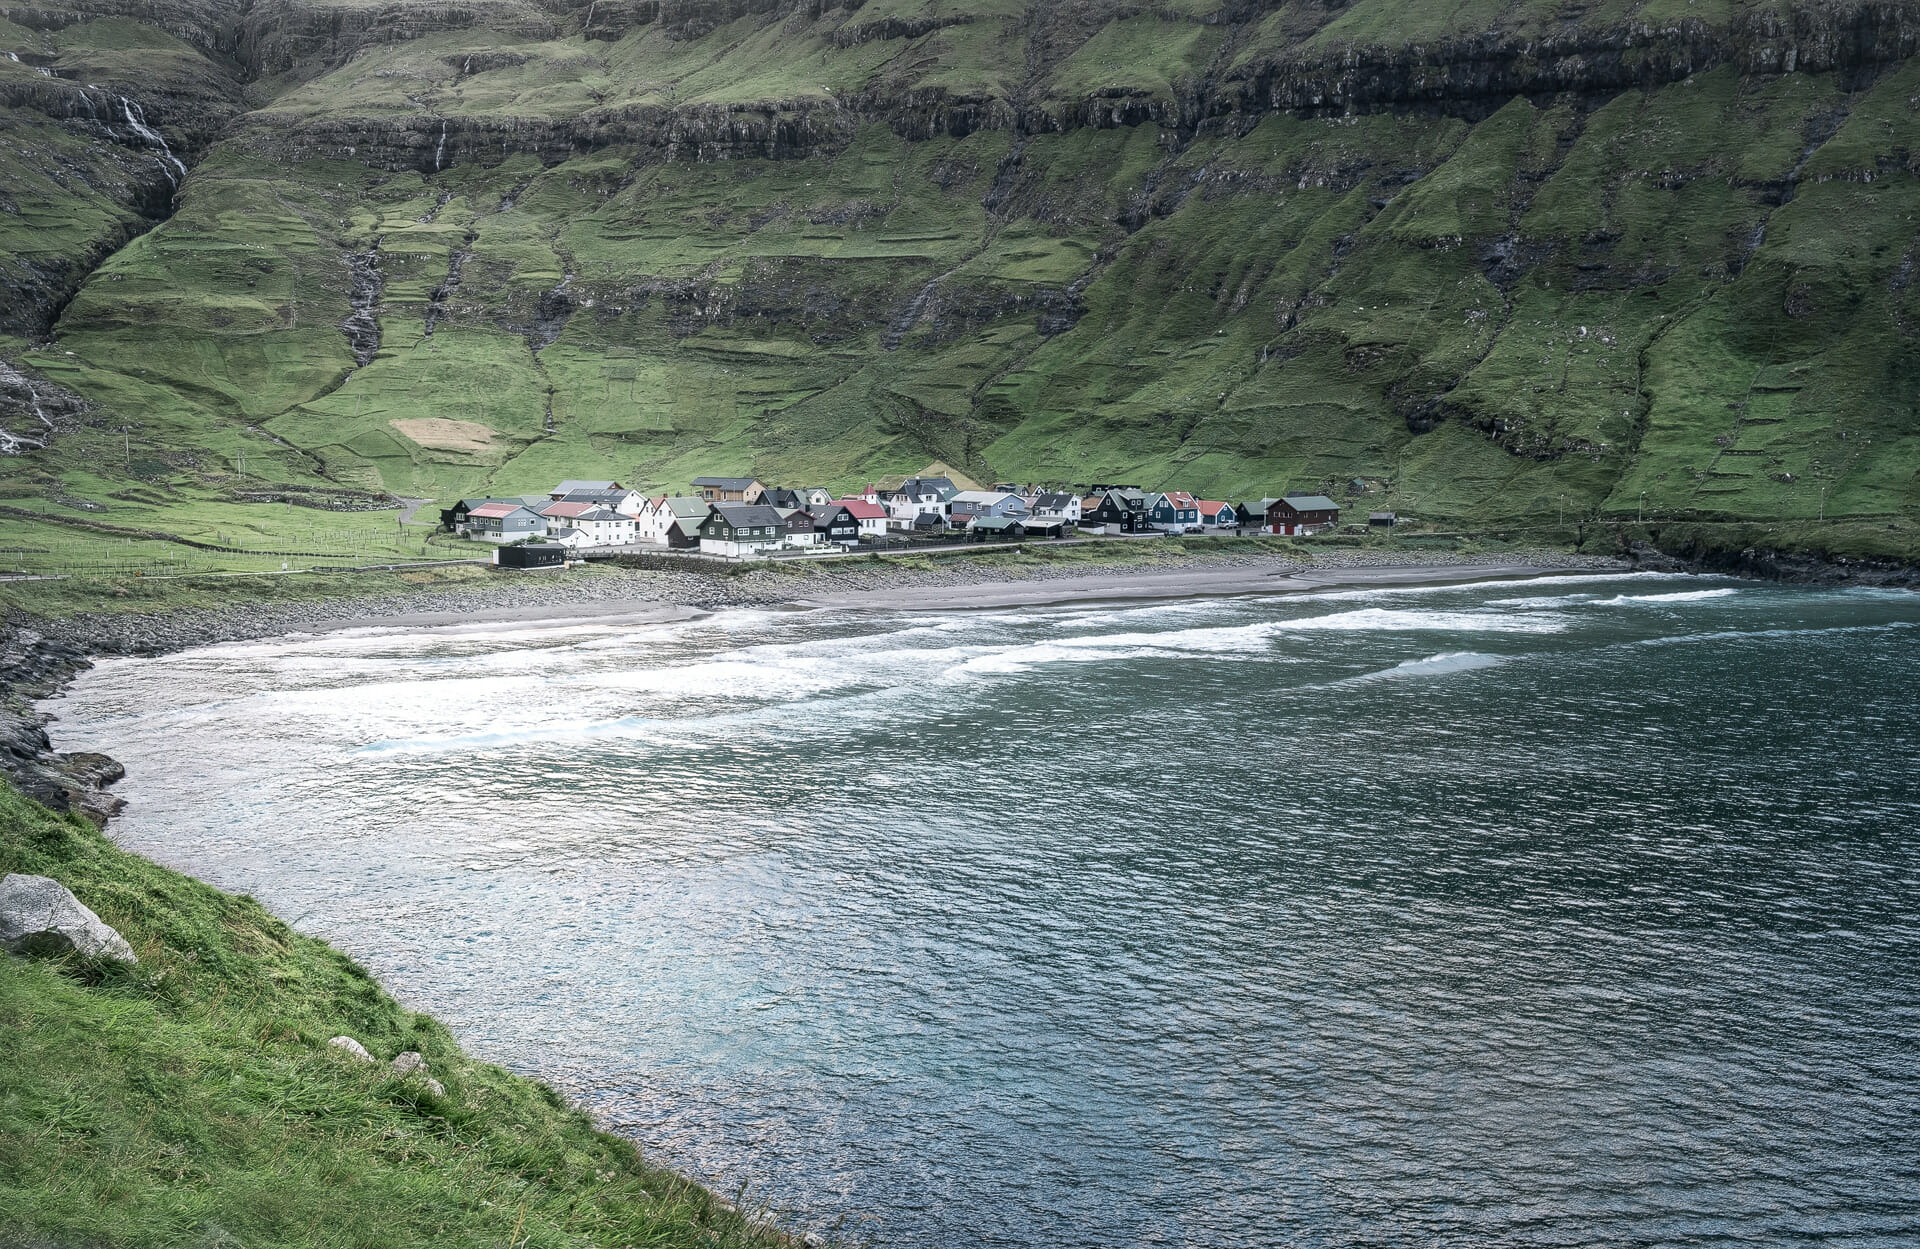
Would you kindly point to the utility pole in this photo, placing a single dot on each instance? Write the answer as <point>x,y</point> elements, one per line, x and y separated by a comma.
<point>1643,507</point>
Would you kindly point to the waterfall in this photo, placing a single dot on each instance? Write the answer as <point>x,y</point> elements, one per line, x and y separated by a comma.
<point>137,118</point>
<point>442,149</point>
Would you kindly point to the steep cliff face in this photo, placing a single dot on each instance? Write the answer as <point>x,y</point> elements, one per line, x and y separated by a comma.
<point>1492,272</point>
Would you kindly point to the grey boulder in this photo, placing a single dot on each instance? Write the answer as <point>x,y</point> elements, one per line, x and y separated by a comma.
<point>39,915</point>
<point>351,1047</point>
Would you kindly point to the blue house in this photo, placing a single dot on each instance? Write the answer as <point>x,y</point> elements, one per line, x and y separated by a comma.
<point>1173,512</point>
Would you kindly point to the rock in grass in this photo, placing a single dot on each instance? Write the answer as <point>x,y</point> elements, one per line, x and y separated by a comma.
<point>411,1064</point>
<point>352,1047</point>
<point>41,916</point>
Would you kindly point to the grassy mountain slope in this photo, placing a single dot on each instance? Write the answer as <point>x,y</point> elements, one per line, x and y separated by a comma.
<point>192,1099</point>
<point>1497,263</point>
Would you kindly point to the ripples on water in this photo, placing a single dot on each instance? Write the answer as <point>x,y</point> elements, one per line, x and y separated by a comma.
<point>1558,912</point>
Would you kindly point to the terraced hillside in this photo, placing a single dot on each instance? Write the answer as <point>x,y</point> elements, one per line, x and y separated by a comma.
<point>1488,263</point>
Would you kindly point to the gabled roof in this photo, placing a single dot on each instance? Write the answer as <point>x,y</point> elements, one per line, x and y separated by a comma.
<point>565,511</point>
<point>1213,506</point>
<point>827,513</point>
<point>781,497</point>
<point>726,483</point>
<point>863,510</point>
<point>747,515</point>
<point>1053,500</point>
<point>497,511</point>
<point>687,505</point>
<point>982,496</point>
<point>1258,505</point>
<point>596,496</point>
<point>569,486</point>
<point>473,503</point>
<point>991,523</point>
<point>1180,498</point>
<point>1310,503</point>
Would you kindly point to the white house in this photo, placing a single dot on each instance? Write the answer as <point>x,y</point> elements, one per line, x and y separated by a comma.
<point>1058,506</point>
<point>917,496</point>
<point>660,514</point>
<point>872,517</point>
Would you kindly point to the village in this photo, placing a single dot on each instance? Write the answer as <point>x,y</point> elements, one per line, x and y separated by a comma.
<point>745,518</point>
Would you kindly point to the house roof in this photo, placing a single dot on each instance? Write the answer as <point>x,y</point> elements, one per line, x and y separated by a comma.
<point>747,515</point>
<point>1310,503</point>
<point>982,496</point>
<point>687,506</point>
<point>726,483</point>
<point>992,523</point>
<point>1258,505</point>
<point>569,486</point>
<point>1381,516</point>
<point>596,496</point>
<point>1053,500</point>
<point>1180,498</point>
<point>473,503</point>
<point>496,511</point>
<point>566,511</point>
<point>863,510</point>
<point>1213,506</point>
<point>826,513</point>
<point>780,497</point>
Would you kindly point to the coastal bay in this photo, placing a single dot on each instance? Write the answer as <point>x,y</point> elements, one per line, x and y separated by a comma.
<point>1373,912</point>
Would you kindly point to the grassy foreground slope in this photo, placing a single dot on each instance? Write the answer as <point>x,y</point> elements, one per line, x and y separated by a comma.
<point>1489,264</point>
<point>191,1099</point>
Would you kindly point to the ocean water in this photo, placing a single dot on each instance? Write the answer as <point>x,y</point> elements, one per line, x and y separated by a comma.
<point>1558,912</point>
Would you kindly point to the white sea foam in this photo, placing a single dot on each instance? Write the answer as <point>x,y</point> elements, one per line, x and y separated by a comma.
<point>1685,596</point>
<point>1383,619</point>
<point>1435,665</point>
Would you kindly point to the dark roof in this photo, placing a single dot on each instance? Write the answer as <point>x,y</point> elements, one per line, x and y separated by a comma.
<point>745,515</point>
<point>1054,500</point>
<point>991,523</point>
<point>725,483</point>
<point>595,496</point>
<point>827,511</point>
<point>1310,503</point>
<point>781,497</point>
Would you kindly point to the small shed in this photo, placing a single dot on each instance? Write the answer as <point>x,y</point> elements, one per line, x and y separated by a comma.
<point>1045,526</point>
<point>996,529</point>
<point>1381,520</point>
<point>530,555</point>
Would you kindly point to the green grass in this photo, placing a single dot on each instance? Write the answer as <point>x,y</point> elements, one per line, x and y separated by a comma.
<point>192,1099</point>
<point>1288,306</point>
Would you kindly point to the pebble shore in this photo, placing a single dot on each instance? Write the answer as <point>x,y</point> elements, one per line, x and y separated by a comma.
<point>158,633</point>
